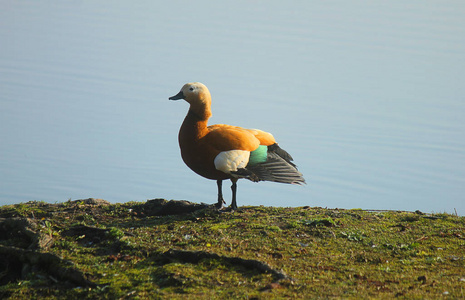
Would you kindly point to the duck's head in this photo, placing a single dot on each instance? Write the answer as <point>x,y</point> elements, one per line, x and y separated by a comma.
<point>198,96</point>
<point>193,93</point>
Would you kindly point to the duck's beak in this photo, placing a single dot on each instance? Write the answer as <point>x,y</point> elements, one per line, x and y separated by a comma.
<point>178,96</point>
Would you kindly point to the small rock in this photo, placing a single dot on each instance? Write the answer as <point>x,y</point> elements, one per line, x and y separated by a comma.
<point>92,201</point>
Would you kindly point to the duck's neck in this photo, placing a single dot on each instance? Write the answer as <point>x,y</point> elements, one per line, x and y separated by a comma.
<point>201,108</point>
<point>194,126</point>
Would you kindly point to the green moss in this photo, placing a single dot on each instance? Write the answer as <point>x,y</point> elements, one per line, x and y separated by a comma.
<point>326,253</point>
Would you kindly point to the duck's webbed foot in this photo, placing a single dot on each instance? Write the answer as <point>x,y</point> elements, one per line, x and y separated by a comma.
<point>219,204</point>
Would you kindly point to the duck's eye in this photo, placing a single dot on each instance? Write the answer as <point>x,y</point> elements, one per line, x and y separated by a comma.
<point>191,89</point>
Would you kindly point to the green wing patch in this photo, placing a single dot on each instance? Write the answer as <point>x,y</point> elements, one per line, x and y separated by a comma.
<point>258,155</point>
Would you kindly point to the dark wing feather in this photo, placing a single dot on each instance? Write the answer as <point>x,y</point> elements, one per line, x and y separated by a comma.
<point>281,152</point>
<point>278,167</point>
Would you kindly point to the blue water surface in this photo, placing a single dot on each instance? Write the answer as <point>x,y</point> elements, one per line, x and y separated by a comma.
<point>368,97</point>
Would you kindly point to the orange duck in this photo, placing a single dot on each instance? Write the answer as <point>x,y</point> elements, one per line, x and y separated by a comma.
<point>222,152</point>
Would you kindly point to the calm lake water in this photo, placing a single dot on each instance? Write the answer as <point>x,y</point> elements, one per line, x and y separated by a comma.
<point>369,98</point>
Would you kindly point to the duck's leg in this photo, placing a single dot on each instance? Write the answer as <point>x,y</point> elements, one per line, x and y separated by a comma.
<point>234,190</point>
<point>219,183</point>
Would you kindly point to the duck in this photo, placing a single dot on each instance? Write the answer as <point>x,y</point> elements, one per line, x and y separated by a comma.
<point>225,152</point>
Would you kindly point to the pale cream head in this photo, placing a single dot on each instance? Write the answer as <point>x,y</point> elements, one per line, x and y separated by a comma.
<point>198,96</point>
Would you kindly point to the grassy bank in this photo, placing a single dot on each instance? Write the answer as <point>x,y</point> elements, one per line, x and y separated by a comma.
<point>93,249</point>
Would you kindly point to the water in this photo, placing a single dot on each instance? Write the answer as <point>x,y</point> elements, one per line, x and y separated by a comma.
<point>367,97</point>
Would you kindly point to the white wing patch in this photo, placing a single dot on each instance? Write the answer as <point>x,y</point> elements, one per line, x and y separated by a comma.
<point>230,161</point>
